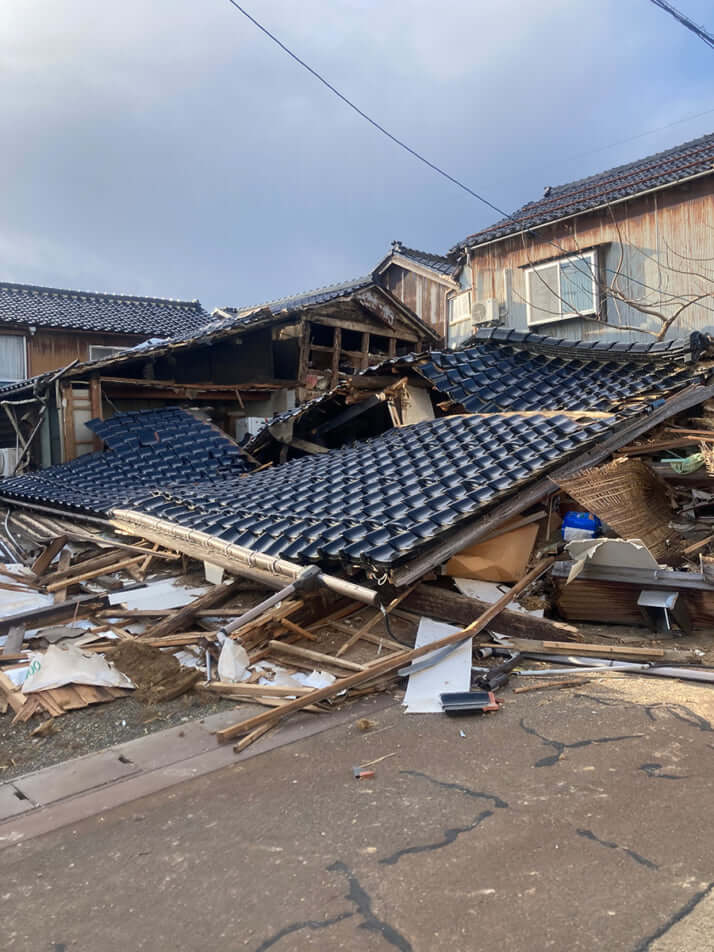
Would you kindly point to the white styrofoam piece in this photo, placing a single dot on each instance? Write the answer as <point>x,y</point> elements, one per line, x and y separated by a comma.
<point>164,593</point>
<point>451,674</point>
<point>213,573</point>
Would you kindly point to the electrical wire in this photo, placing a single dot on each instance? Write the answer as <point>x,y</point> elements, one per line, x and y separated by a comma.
<point>413,152</point>
<point>685,21</point>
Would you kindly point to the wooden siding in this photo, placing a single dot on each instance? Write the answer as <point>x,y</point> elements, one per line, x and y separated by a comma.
<point>50,350</point>
<point>425,297</point>
<point>665,235</point>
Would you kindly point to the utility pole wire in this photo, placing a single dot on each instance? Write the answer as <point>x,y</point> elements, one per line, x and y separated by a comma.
<point>685,21</point>
<point>364,115</point>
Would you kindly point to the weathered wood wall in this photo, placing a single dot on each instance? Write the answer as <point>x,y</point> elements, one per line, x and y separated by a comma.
<point>666,236</point>
<point>425,297</point>
<point>50,350</point>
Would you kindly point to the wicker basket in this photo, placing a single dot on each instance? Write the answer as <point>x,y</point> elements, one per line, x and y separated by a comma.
<point>707,451</point>
<point>630,498</point>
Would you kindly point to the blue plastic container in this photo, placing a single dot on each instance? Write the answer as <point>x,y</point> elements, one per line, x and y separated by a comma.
<point>580,525</point>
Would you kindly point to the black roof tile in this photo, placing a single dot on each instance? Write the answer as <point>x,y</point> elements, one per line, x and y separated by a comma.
<point>28,305</point>
<point>624,181</point>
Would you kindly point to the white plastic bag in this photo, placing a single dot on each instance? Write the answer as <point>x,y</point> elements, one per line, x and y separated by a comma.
<point>232,661</point>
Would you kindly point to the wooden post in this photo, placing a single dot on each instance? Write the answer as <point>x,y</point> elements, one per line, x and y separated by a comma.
<point>364,361</point>
<point>95,405</point>
<point>392,346</point>
<point>336,351</point>
<point>304,357</point>
<point>70,446</point>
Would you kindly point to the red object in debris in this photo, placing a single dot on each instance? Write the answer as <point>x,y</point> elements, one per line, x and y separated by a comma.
<point>361,773</point>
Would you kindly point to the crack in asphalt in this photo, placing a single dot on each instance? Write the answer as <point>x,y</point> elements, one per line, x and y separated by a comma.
<point>561,747</point>
<point>363,901</point>
<point>357,895</point>
<point>682,713</point>
<point>452,833</point>
<point>450,836</point>
<point>477,794</point>
<point>652,770</point>
<point>642,860</point>
<point>299,926</point>
<point>680,914</point>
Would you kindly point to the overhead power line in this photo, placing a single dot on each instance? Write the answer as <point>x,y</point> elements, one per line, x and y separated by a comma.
<point>369,119</point>
<point>686,22</point>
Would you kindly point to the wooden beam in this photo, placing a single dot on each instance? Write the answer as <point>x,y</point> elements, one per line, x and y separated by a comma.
<point>387,666</point>
<point>44,559</point>
<point>544,486</point>
<point>70,446</point>
<point>282,647</point>
<point>441,604</point>
<point>182,617</point>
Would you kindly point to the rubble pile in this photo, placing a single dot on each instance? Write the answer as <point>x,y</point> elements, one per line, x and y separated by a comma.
<point>511,489</point>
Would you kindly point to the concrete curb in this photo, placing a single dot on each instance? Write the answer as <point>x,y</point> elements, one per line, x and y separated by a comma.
<point>47,799</point>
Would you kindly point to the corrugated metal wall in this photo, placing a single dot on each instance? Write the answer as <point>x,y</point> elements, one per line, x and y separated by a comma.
<point>661,246</point>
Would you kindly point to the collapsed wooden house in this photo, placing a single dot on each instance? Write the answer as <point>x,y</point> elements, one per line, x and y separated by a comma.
<point>242,367</point>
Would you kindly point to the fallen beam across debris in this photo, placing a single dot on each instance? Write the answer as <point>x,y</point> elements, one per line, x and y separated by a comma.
<point>234,558</point>
<point>395,661</point>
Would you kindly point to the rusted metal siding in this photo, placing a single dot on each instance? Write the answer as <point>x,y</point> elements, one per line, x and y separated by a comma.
<point>50,350</point>
<point>667,240</point>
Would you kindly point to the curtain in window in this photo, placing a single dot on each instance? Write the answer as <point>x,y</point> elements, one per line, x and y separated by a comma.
<point>12,358</point>
<point>576,284</point>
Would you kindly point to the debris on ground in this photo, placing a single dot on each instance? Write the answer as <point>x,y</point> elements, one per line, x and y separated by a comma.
<point>460,541</point>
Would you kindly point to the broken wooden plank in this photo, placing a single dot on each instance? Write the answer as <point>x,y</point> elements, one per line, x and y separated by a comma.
<point>79,607</point>
<point>14,696</point>
<point>611,652</point>
<point>386,666</point>
<point>63,583</point>
<point>373,621</point>
<point>183,616</point>
<point>283,647</point>
<point>64,560</point>
<point>566,683</point>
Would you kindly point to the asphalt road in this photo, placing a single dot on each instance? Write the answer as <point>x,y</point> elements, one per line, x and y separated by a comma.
<point>571,820</point>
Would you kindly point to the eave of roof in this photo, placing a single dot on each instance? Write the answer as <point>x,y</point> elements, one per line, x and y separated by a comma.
<point>683,163</point>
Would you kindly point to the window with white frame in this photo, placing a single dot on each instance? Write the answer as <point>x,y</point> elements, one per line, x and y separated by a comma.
<point>13,358</point>
<point>100,352</point>
<point>563,289</point>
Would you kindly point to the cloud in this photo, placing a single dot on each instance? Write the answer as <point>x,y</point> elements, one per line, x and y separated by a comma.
<point>171,148</point>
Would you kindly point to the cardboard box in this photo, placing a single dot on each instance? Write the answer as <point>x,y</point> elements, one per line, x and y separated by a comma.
<point>501,559</point>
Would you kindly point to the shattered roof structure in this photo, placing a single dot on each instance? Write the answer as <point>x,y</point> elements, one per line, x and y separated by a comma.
<point>30,305</point>
<point>307,298</point>
<point>509,370</point>
<point>625,181</point>
<point>377,503</point>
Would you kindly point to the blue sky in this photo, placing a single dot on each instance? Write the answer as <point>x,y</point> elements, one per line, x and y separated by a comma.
<point>170,149</point>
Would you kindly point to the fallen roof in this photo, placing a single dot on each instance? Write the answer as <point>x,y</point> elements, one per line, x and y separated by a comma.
<point>508,370</point>
<point>29,305</point>
<point>624,181</point>
<point>148,450</point>
<point>372,504</point>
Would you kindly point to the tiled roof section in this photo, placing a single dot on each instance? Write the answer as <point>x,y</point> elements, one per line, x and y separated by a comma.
<point>149,450</point>
<point>678,348</point>
<point>29,305</point>
<point>493,377</point>
<point>309,298</point>
<point>426,259</point>
<point>372,504</point>
<point>624,181</point>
